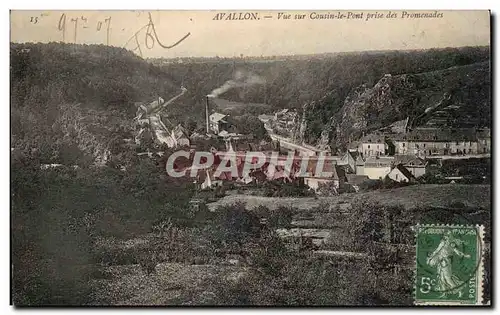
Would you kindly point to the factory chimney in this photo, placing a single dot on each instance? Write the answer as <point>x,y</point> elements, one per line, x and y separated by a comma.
<point>206,115</point>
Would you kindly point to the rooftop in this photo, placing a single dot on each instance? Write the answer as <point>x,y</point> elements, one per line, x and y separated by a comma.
<point>217,116</point>
<point>438,135</point>
<point>408,158</point>
<point>328,166</point>
<point>404,171</point>
<point>379,161</point>
<point>373,138</point>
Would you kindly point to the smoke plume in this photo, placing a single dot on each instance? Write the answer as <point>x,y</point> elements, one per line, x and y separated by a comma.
<point>240,79</point>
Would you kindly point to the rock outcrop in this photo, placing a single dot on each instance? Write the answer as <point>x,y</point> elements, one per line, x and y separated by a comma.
<point>454,97</point>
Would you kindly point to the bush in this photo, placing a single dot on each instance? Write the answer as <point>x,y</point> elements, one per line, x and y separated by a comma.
<point>279,218</point>
<point>234,224</point>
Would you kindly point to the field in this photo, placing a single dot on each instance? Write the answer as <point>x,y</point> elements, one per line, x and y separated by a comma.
<point>474,196</point>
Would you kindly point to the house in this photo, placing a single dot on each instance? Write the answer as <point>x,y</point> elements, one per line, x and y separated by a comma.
<point>280,114</point>
<point>151,108</point>
<point>400,174</point>
<point>360,165</point>
<point>372,145</point>
<point>412,163</point>
<point>349,161</point>
<point>355,181</point>
<point>285,116</point>
<point>484,141</point>
<point>161,132</point>
<point>314,180</point>
<point>434,141</point>
<point>217,122</point>
<point>377,167</point>
<point>180,135</point>
<point>284,122</point>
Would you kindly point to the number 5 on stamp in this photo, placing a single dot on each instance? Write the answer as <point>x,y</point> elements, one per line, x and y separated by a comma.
<point>449,265</point>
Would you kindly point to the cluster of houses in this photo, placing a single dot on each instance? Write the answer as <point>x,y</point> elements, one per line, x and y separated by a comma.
<point>401,157</point>
<point>427,142</point>
<point>284,121</point>
<point>348,171</point>
<point>395,152</point>
<point>352,169</point>
<point>435,142</point>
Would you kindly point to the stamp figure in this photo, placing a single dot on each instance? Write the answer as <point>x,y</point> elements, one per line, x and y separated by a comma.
<point>449,265</point>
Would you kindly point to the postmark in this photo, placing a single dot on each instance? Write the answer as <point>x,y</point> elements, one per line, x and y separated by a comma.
<point>449,265</point>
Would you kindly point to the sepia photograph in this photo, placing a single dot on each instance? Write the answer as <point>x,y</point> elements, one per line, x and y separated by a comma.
<point>250,158</point>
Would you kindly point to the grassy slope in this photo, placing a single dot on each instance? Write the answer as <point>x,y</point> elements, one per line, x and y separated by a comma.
<point>409,197</point>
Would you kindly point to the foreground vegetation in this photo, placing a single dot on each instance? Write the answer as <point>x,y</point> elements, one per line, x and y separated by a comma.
<point>101,236</point>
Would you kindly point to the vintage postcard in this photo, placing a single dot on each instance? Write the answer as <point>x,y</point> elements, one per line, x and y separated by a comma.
<point>250,158</point>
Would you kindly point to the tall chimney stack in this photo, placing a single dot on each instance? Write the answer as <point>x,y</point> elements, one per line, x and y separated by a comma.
<point>206,115</point>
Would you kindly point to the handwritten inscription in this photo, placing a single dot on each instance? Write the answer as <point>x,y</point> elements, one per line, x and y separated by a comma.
<point>151,37</point>
<point>81,21</point>
<point>70,26</point>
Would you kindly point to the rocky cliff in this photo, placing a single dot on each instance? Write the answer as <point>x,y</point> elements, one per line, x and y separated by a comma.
<point>453,97</point>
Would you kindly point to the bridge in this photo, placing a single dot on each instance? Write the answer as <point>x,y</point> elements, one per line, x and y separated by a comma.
<point>286,143</point>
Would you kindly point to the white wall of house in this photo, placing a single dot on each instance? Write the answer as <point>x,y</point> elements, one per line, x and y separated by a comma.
<point>401,147</point>
<point>395,174</point>
<point>360,170</point>
<point>314,182</point>
<point>372,149</point>
<point>214,126</point>
<point>467,147</point>
<point>347,159</point>
<point>307,153</point>
<point>183,142</point>
<point>434,147</point>
<point>376,172</point>
<point>484,146</point>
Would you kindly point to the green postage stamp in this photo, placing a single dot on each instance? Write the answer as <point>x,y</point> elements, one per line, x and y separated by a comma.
<point>449,268</point>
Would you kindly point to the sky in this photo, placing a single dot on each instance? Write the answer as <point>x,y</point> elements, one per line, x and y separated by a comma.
<point>209,33</point>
